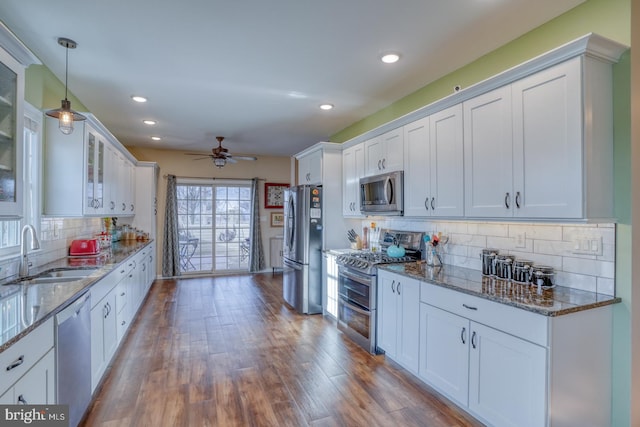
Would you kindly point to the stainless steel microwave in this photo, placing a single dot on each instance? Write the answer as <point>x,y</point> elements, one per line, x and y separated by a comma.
<point>382,194</point>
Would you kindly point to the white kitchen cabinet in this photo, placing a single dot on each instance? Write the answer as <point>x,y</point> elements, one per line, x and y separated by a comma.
<point>275,252</point>
<point>433,160</point>
<point>384,153</point>
<point>27,368</point>
<point>11,134</point>
<point>444,352</point>
<point>85,173</point>
<point>37,386</point>
<point>488,154</point>
<point>507,378</point>
<point>310,168</point>
<point>352,170</point>
<point>327,156</point>
<point>146,198</point>
<point>104,336</point>
<point>398,318</point>
<point>542,146</point>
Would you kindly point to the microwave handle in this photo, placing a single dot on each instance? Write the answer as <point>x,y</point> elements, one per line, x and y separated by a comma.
<point>388,188</point>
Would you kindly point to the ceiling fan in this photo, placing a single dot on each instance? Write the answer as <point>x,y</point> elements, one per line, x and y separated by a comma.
<point>221,155</point>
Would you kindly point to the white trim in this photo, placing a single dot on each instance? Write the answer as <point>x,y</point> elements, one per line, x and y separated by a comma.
<point>16,48</point>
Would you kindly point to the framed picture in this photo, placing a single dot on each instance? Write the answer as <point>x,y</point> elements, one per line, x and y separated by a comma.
<point>277,219</point>
<point>274,195</point>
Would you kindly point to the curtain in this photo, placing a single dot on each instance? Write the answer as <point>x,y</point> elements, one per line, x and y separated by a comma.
<point>171,246</point>
<point>256,252</point>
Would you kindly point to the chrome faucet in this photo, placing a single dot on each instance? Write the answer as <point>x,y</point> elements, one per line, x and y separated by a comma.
<point>35,244</point>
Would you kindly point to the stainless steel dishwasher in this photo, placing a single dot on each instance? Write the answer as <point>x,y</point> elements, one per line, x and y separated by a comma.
<point>73,357</point>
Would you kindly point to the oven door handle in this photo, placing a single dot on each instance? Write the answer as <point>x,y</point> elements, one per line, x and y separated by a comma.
<point>365,280</point>
<point>355,291</point>
<point>354,308</point>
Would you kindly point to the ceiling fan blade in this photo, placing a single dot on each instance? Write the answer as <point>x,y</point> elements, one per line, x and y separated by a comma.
<point>243,157</point>
<point>200,158</point>
<point>231,160</point>
<point>196,154</point>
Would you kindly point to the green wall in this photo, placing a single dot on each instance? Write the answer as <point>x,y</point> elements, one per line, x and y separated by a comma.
<point>45,91</point>
<point>611,19</point>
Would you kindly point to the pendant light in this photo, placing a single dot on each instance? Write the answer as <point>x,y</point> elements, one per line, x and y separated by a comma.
<point>65,115</point>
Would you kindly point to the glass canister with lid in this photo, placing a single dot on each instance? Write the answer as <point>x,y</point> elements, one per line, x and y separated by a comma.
<point>522,271</point>
<point>542,276</point>
<point>488,257</point>
<point>504,266</point>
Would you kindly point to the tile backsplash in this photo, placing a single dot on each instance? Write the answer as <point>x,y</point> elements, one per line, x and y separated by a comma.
<point>55,237</point>
<point>582,255</point>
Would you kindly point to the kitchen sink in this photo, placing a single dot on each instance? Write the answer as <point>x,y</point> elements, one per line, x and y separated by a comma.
<point>72,273</point>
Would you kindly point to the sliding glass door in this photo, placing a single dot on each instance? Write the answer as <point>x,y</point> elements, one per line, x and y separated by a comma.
<point>214,223</point>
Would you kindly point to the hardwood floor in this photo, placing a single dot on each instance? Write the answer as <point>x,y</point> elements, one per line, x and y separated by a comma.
<point>226,351</point>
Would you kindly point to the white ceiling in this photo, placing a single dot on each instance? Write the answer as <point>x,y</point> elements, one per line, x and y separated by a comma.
<point>255,71</point>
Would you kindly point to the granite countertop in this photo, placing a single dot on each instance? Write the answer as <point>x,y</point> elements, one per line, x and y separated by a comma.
<point>51,298</point>
<point>549,302</point>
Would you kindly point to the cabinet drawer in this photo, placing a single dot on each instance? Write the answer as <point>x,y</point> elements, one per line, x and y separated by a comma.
<point>122,320</point>
<point>121,295</point>
<point>20,357</point>
<point>105,285</point>
<point>515,321</point>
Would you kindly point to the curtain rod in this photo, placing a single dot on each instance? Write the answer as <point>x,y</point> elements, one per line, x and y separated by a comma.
<point>215,178</point>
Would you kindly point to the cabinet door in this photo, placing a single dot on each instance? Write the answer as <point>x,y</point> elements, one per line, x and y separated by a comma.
<point>98,363</point>
<point>444,352</point>
<point>408,291</point>
<point>109,327</point>
<point>393,150</point>
<point>446,166</point>
<point>310,168</point>
<point>37,387</point>
<point>352,171</point>
<point>417,162</point>
<point>373,154</point>
<point>507,378</point>
<point>488,155</point>
<point>91,147</point>
<point>11,134</point>
<point>547,114</point>
<point>387,313</point>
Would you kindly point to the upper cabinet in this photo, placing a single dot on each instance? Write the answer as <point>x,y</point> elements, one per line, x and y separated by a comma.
<point>384,153</point>
<point>86,174</point>
<point>310,168</point>
<point>542,146</point>
<point>352,171</point>
<point>11,123</point>
<point>433,162</point>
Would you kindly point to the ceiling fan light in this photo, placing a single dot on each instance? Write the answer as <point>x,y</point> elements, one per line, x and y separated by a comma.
<point>219,162</point>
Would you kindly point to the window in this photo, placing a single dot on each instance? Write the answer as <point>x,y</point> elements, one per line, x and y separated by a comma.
<point>32,148</point>
<point>214,224</point>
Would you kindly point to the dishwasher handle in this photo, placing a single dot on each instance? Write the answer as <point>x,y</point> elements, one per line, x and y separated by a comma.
<point>73,310</point>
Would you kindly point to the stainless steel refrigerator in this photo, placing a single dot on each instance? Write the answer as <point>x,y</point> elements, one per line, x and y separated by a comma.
<point>302,249</point>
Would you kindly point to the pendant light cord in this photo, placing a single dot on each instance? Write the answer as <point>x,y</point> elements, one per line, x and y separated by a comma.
<point>66,73</point>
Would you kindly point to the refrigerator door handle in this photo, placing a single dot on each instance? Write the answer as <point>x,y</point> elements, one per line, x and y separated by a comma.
<point>292,264</point>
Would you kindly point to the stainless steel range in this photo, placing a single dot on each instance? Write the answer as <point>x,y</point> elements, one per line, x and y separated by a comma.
<point>357,283</point>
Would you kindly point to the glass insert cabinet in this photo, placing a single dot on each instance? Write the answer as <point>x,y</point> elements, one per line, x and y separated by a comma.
<point>11,134</point>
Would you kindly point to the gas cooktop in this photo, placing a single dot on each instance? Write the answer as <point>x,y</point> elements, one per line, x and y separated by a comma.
<point>365,261</point>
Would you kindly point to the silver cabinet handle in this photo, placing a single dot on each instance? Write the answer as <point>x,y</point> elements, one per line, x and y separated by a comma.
<point>473,339</point>
<point>22,400</point>
<point>384,163</point>
<point>398,288</point>
<point>462,335</point>
<point>112,205</point>
<point>122,294</point>
<point>393,289</point>
<point>123,323</point>
<point>379,164</point>
<point>19,361</point>
<point>124,207</point>
<point>469,307</point>
<point>518,199</point>
<point>506,201</point>
<point>426,203</point>
<point>433,200</point>
<point>131,207</point>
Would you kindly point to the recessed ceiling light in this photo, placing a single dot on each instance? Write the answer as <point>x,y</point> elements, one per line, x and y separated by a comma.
<point>150,122</point>
<point>326,106</point>
<point>138,98</point>
<point>390,58</point>
<point>156,138</point>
